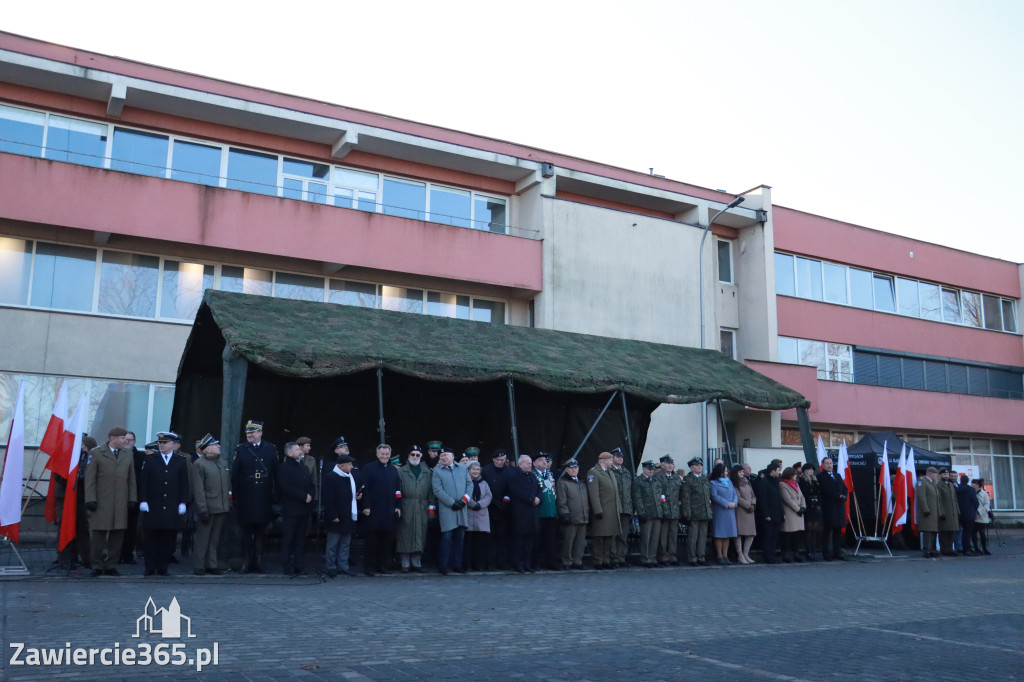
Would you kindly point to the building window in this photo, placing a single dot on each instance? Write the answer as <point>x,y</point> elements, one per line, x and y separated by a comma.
<point>727,342</point>
<point>305,180</point>
<point>931,301</point>
<point>885,297</point>
<point>785,280</point>
<point>252,172</point>
<point>356,189</point>
<point>450,206</point>
<point>196,163</point>
<point>834,361</point>
<point>63,277</point>
<point>448,305</point>
<point>489,213</point>
<point>246,280</point>
<point>861,289</point>
<point>134,151</point>
<point>951,305</point>
<point>1009,316</point>
<point>896,370</point>
<point>488,311</point>
<point>76,141</point>
<point>906,294</point>
<point>15,270</point>
<point>182,288</point>
<point>405,198</point>
<point>808,279</point>
<point>358,294</point>
<point>835,283</point>
<point>21,131</point>
<point>401,299</point>
<point>128,284</point>
<point>725,261</point>
<point>143,408</point>
<point>298,287</point>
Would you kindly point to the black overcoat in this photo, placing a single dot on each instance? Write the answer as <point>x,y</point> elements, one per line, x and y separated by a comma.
<point>833,500</point>
<point>252,482</point>
<point>380,485</point>
<point>337,502</point>
<point>294,482</point>
<point>523,487</point>
<point>163,487</point>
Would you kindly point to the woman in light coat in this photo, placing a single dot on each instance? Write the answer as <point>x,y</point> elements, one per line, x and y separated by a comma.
<point>746,524</point>
<point>984,517</point>
<point>793,507</point>
<point>478,533</point>
<point>724,500</point>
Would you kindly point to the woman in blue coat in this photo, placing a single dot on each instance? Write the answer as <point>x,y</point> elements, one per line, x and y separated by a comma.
<point>723,512</point>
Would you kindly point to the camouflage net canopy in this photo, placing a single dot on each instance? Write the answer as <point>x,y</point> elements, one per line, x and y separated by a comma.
<point>310,340</point>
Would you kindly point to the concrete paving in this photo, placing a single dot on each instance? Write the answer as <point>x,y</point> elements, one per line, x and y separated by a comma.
<point>871,618</point>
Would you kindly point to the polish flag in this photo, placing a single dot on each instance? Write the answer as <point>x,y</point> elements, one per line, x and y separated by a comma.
<point>911,477</point>
<point>13,471</point>
<point>900,504</point>
<point>884,486</point>
<point>843,469</point>
<point>69,517</point>
<point>54,444</point>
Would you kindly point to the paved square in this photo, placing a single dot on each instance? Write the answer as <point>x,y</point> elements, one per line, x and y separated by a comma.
<point>879,619</point>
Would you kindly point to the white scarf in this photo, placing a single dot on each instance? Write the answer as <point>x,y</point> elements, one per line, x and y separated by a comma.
<point>352,485</point>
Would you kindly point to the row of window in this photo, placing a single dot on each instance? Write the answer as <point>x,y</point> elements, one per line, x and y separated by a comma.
<point>143,408</point>
<point>1003,472</point>
<point>106,282</point>
<point>896,371</point>
<point>823,281</point>
<point>833,360</point>
<point>102,145</point>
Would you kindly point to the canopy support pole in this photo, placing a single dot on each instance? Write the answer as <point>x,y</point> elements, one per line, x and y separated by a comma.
<point>380,404</point>
<point>629,435</point>
<point>596,422</point>
<point>725,434</point>
<point>512,415</point>
<point>236,369</point>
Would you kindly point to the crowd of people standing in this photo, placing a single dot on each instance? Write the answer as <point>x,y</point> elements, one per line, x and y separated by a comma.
<point>429,509</point>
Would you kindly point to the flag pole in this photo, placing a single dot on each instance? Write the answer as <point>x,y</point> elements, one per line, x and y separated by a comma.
<point>28,500</point>
<point>860,519</point>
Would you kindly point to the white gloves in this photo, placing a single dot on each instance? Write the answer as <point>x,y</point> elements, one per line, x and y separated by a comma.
<point>143,506</point>
<point>181,509</point>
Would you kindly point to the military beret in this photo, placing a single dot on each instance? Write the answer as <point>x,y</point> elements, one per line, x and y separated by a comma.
<point>415,448</point>
<point>253,425</point>
<point>617,452</point>
<point>168,435</point>
<point>344,459</point>
<point>500,452</point>
<point>303,440</point>
<point>667,458</point>
<point>649,465</point>
<point>695,461</point>
<point>944,470</point>
<point>338,442</point>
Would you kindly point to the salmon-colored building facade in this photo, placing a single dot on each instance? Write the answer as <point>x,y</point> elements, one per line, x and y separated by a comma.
<point>128,189</point>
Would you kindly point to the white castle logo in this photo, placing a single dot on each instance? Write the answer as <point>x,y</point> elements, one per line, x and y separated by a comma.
<point>163,622</point>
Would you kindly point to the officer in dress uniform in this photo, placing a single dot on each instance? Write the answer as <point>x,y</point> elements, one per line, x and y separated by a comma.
<point>252,482</point>
<point>163,492</point>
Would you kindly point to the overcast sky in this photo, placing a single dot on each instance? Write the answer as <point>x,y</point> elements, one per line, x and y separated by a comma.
<point>896,115</point>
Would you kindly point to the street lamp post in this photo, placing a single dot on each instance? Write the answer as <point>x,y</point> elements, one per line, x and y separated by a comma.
<point>703,343</point>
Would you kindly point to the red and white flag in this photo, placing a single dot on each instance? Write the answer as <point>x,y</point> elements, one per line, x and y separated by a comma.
<point>884,486</point>
<point>843,469</point>
<point>13,471</point>
<point>68,520</point>
<point>54,444</point>
<point>820,451</point>
<point>912,489</point>
<point>899,507</point>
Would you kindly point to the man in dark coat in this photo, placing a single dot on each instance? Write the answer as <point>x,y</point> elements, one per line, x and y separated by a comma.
<point>524,492</point>
<point>769,510</point>
<point>833,511</point>
<point>967,500</point>
<point>131,533</point>
<point>949,513</point>
<point>253,471</point>
<point>163,494</point>
<point>497,475</point>
<point>341,511</point>
<point>382,507</point>
<point>295,484</point>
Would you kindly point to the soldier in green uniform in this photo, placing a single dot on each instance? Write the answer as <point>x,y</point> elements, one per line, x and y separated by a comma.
<point>646,497</point>
<point>671,484</point>
<point>603,491</point>
<point>926,498</point>
<point>949,513</point>
<point>696,511</point>
<point>624,477</point>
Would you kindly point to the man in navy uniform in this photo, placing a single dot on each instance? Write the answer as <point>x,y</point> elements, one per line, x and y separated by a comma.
<point>252,483</point>
<point>163,492</point>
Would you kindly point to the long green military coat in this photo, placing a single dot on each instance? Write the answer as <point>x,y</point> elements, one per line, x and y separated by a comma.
<point>417,496</point>
<point>624,477</point>
<point>927,501</point>
<point>110,483</point>
<point>603,489</point>
<point>671,487</point>
<point>948,507</point>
